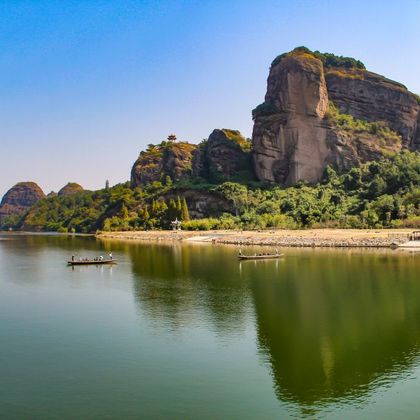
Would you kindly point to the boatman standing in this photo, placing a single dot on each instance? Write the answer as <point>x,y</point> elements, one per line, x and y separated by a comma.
<point>110,255</point>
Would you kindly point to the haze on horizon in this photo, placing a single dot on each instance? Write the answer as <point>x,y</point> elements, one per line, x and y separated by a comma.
<point>86,86</point>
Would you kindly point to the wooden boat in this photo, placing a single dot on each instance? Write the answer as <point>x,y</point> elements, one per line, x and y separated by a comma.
<point>259,256</point>
<point>91,262</point>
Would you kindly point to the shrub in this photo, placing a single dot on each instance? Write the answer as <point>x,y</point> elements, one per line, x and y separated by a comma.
<point>201,224</point>
<point>264,109</point>
<point>328,59</point>
<point>411,222</point>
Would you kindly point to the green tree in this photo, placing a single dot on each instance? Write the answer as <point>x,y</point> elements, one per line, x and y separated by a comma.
<point>377,187</point>
<point>124,212</point>
<point>185,215</point>
<point>172,210</point>
<point>178,206</point>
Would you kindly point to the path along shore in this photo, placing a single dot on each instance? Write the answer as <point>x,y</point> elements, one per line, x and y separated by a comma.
<point>326,238</point>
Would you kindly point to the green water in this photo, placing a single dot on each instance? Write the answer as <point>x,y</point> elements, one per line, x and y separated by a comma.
<point>186,331</point>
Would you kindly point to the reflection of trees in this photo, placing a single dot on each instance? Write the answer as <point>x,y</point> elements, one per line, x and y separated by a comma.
<point>331,325</point>
<point>40,242</point>
<point>179,284</point>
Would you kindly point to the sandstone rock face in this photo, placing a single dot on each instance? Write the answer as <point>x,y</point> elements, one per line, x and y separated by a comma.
<point>202,203</point>
<point>70,189</point>
<point>177,160</point>
<point>291,143</point>
<point>294,136</point>
<point>225,155</point>
<point>369,96</point>
<point>416,144</point>
<point>347,150</point>
<point>157,162</point>
<point>20,198</point>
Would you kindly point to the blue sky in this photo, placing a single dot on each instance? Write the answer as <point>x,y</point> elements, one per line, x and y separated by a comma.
<point>85,85</point>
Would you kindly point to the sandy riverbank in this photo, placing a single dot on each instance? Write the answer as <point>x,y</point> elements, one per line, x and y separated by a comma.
<point>293,238</point>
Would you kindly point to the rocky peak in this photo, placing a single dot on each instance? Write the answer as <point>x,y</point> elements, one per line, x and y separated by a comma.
<point>296,85</point>
<point>295,136</point>
<point>20,198</point>
<point>223,156</point>
<point>173,159</point>
<point>290,143</point>
<point>70,189</point>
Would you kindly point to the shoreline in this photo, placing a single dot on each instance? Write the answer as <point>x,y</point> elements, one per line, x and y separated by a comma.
<point>309,238</point>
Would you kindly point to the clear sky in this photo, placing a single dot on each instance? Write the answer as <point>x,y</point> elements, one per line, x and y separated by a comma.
<point>85,85</point>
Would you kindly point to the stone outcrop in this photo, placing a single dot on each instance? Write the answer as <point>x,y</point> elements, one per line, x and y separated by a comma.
<point>295,135</point>
<point>70,189</point>
<point>416,144</point>
<point>20,198</point>
<point>290,143</point>
<point>224,156</point>
<point>371,97</point>
<point>202,203</point>
<point>158,162</point>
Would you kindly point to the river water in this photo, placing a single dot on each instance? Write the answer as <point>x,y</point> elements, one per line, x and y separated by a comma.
<point>187,331</point>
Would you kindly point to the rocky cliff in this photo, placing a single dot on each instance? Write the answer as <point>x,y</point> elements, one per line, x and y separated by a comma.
<point>225,155</point>
<point>163,160</point>
<point>371,97</point>
<point>322,110</point>
<point>19,199</point>
<point>201,203</point>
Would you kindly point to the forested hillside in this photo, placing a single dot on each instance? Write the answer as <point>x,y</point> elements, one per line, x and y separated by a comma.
<point>376,194</point>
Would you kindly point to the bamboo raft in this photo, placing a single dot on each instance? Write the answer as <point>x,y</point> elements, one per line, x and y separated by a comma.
<point>91,262</point>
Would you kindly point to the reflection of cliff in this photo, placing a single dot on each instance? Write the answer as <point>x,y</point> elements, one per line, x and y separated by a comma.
<point>330,325</point>
<point>179,285</point>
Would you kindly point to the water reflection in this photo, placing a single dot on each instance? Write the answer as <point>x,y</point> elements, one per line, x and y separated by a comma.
<point>331,326</point>
<point>181,285</point>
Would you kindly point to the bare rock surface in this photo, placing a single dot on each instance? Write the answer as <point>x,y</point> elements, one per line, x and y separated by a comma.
<point>372,97</point>
<point>291,144</point>
<point>224,156</point>
<point>295,138</point>
<point>202,203</point>
<point>20,198</point>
